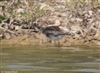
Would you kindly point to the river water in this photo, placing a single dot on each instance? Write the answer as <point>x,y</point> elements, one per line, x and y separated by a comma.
<point>50,60</point>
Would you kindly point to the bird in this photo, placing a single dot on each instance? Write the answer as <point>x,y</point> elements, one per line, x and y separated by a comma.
<point>52,32</point>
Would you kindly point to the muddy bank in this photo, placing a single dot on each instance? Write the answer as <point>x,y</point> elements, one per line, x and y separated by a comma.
<point>79,18</point>
<point>45,42</point>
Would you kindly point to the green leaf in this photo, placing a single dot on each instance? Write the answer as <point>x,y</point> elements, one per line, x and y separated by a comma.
<point>2,18</point>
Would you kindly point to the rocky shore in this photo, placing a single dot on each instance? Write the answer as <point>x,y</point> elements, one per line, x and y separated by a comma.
<point>83,22</point>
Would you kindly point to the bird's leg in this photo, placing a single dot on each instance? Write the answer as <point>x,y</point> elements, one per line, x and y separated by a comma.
<point>50,42</point>
<point>53,42</point>
<point>40,42</point>
<point>58,43</point>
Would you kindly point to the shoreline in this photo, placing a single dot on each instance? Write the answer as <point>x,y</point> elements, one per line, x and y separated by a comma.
<point>32,42</point>
<point>22,24</point>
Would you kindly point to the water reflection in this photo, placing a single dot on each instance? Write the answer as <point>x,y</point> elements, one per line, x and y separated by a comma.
<point>51,60</point>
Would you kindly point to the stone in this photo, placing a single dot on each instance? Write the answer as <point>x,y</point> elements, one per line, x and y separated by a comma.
<point>1,36</point>
<point>20,10</point>
<point>7,35</point>
<point>17,28</point>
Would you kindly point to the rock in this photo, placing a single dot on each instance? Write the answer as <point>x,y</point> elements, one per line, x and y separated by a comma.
<point>4,25</point>
<point>79,19</point>
<point>77,31</point>
<point>97,42</point>
<point>11,27</point>
<point>44,6</point>
<point>97,37</point>
<point>20,10</point>
<point>75,28</point>
<point>7,35</point>
<point>1,36</point>
<point>57,22</point>
<point>61,2</point>
<point>17,28</point>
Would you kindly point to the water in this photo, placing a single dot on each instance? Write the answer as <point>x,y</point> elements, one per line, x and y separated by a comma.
<point>50,60</point>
